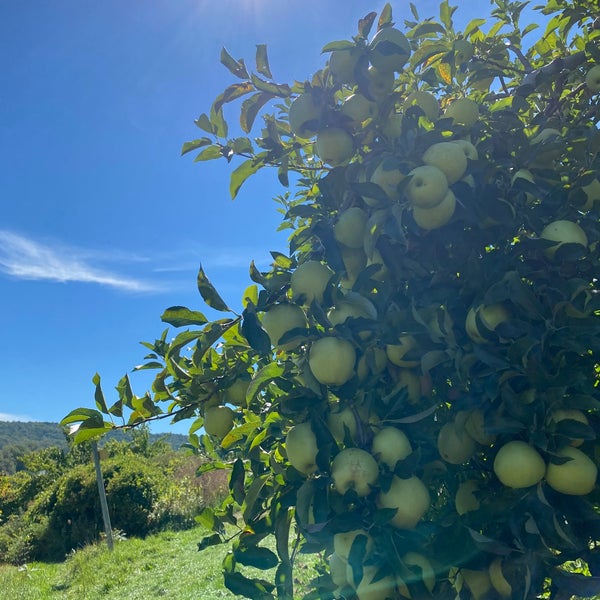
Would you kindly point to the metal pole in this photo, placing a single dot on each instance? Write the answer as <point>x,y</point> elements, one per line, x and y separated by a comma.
<point>102,492</point>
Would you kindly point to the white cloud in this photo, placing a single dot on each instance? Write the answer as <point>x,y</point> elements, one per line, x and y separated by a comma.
<point>24,258</point>
<point>9,417</point>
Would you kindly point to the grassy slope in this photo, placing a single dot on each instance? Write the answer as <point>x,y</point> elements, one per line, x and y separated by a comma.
<point>166,565</point>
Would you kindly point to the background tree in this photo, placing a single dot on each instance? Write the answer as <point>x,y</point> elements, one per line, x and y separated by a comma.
<point>411,391</point>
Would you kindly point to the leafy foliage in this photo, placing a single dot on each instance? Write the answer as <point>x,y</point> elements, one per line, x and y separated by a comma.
<point>468,319</point>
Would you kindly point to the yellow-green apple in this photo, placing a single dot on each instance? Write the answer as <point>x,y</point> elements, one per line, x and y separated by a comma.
<point>426,101</point>
<point>437,216</point>
<point>576,476</point>
<point>342,65</point>
<point>387,175</point>
<point>563,232</point>
<point>379,83</point>
<point>304,116</point>
<point>519,465</point>
<point>469,149</point>
<point>342,542</point>
<point>280,319</point>
<point>454,444</point>
<point>427,186</point>
<point>358,109</point>
<point>592,79</point>
<point>301,448</point>
<point>497,578</point>
<point>463,111</point>
<point>463,51</point>
<point>465,500</point>
<point>411,499</point>
<point>331,360</point>
<point>309,281</point>
<point>390,445</point>
<point>218,421</point>
<point>354,469</point>
<point>349,229</point>
<point>334,146</point>
<point>449,158</point>
<point>340,421</point>
<point>490,316</point>
<point>424,569</point>
<point>572,414</point>
<point>389,49</point>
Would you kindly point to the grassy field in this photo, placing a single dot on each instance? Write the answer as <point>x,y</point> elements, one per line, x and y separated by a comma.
<point>166,565</point>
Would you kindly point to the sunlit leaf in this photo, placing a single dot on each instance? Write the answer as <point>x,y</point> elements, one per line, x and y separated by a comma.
<point>235,67</point>
<point>209,293</point>
<point>262,61</point>
<point>241,174</point>
<point>194,145</point>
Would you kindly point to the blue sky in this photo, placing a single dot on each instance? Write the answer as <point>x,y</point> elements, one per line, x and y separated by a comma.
<point>103,224</point>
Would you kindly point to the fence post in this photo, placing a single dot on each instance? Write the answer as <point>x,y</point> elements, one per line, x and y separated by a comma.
<point>102,492</point>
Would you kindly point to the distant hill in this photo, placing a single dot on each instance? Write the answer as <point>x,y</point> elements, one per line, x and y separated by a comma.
<point>18,438</point>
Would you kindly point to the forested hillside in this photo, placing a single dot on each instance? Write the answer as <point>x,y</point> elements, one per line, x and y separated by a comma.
<point>18,438</point>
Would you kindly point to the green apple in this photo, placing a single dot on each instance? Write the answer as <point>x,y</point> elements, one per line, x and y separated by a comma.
<point>454,444</point>
<point>497,578</point>
<point>354,469</point>
<point>342,65</point>
<point>337,569</point>
<point>372,362</point>
<point>380,83</point>
<point>392,128</point>
<point>218,421</point>
<point>411,499</point>
<point>519,465</point>
<point>547,134</point>
<point>437,216</point>
<point>390,445</point>
<point>358,109</point>
<point>523,174</point>
<point>341,420</point>
<point>331,360</point>
<point>388,175</point>
<point>301,448</point>
<point>372,586</point>
<point>396,353</point>
<point>334,146</point>
<point>355,260</point>
<point>469,149</point>
<point>352,306</point>
<point>576,476</point>
<point>427,187</point>
<point>478,582</point>
<point>236,393</point>
<point>424,568</point>
<point>465,500</point>
<point>426,101</point>
<point>342,542</point>
<point>563,232</point>
<point>280,319</point>
<point>592,79</point>
<point>490,315</point>
<point>349,229</point>
<point>389,50</point>
<point>592,192</point>
<point>309,281</point>
<point>475,427</point>
<point>449,158</point>
<point>463,111</point>
<point>572,414</point>
<point>304,116</point>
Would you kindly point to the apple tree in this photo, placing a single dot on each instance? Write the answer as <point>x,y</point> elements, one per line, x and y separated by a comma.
<point>411,391</point>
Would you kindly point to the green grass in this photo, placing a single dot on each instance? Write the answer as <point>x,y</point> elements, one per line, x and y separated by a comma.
<point>166,565</point>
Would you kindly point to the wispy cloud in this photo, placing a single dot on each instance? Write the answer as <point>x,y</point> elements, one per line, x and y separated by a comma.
<point>25,258</point>
<point>11,417</point>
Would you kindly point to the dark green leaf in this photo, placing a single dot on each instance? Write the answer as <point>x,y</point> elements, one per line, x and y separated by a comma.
<point>209,293</point>
<point>249,588</point>
<point>255,556</point>
<point>194,145</point>
<point>209,540</point>
<point>235,67</point>
<point>241,173</point>
<point>210,153</point>
<point>251,329</point>
<point>80,415</point>
<point>99,394</point>
<point>338,45</point>
<point>365,24</point>
<point>262,61</point>
<point>250,108</point>
<point>262,377</point>
<point>180,316</point>
<point>282,90</point>
<point>237,90</point>
<point>385,18</point>
<point>203,122</point>
<point>218,121</point>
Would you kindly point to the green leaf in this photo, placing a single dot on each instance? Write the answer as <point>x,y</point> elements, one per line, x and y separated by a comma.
<point>210,153</point>
<point>262,377</point>
<point>79,415</point>
<point>218,121</point>
<point>249,588</point>
<point>446,12</point>
<point>208,541</point>
<point>365,24</point>
<point>262,61</point>
<point>209,293</point>
<point>99,394</point>
<point>257,557</point>
<point>203,122</point>
<point>473,25</point>
<point>194,145</point>
<point>385,18</point>
<point>241,173</point>
<point>180,316</point>
<point>237,90</point>
<point>282,90</point>
<point>250,108</point>
<point>254,333</point>
<point>236,481</point>
<point>235,67</point>
<point>338,45</point>
<point>413,10</point>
